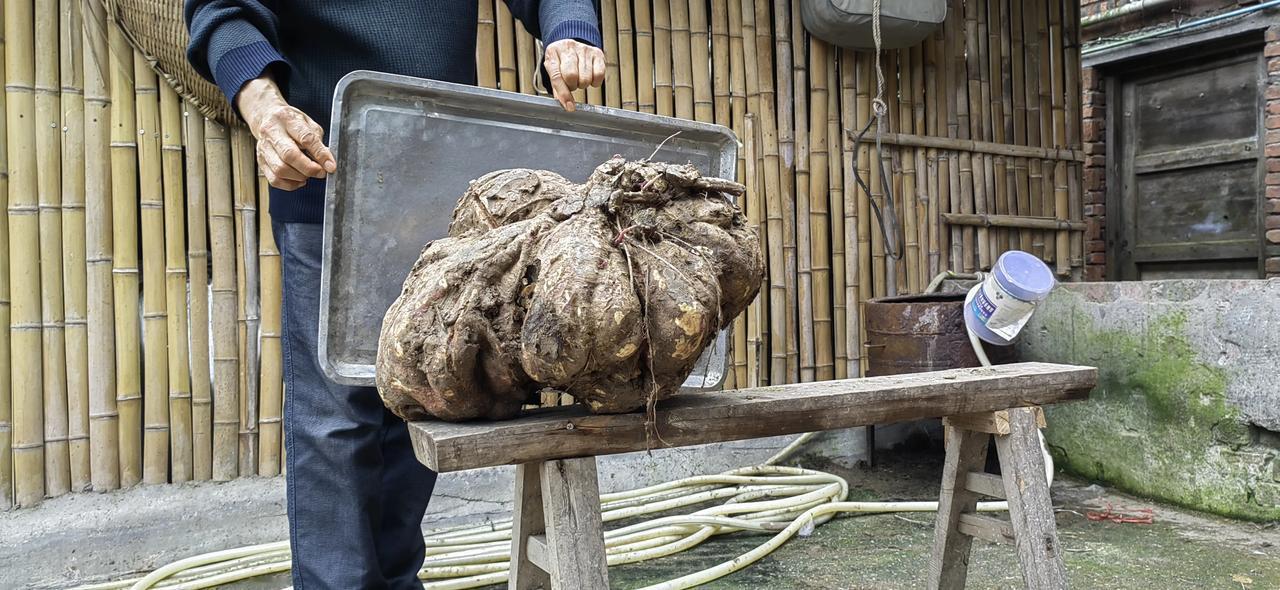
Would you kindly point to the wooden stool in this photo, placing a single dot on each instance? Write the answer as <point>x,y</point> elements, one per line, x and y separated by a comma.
<point>557,539</point>
<point>1031,526</point>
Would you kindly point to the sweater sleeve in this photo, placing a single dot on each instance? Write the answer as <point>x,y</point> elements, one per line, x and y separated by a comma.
<point>557,20</point>
<point>233,42</point>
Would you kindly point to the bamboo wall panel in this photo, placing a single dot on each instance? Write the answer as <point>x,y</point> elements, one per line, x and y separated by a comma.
<point>140,283</point>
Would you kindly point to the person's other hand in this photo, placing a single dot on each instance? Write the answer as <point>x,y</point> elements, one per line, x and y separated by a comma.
<point>290,145</point>
<point>572,65</point>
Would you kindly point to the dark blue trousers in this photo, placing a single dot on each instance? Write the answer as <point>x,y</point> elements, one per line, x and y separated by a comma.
<point>356,492</point>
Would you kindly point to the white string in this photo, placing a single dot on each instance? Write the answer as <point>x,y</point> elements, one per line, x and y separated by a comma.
<point>878,105</point>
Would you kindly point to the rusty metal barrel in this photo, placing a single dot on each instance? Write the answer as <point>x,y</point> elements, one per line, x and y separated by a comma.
<point>918,333</point>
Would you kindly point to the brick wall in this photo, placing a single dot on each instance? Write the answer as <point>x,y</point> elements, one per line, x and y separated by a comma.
<point>1094,113</point>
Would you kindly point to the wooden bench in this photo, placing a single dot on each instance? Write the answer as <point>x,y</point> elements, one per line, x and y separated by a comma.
<point>558,538</point>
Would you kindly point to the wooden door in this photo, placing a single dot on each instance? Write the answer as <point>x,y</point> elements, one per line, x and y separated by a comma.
<point>1188,171</point>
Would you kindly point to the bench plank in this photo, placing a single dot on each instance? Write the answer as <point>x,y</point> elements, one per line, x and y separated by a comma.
<point>700,418</point>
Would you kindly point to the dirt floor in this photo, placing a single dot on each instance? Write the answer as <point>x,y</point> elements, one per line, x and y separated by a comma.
<point>1180,549</point>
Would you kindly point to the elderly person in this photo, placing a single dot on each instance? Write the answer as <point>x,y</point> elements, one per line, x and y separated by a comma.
<point>356,493</point>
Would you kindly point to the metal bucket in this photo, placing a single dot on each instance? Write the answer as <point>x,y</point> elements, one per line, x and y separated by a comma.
<point>919,333</point>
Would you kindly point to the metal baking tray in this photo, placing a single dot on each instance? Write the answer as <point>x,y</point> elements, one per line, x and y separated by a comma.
<point>406,150</point>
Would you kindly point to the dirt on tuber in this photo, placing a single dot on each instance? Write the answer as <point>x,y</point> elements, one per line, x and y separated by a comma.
<point>608,291</point>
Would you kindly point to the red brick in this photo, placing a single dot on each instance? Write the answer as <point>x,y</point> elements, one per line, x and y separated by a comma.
<point>1273,266</point>
<point>1096,162</point>
<point>1273,150</point>
<point>1095,273</point>
<point>1273,192</point>
<point>1273,236</point>
<point>1273,66</point>
<point>1273,202</point>
<point>1273,107</point>
<point>1094,129</point>
<point>1273,136</point>
<point>1273,92</point>
<point>1272,179</point>
<point>1273,122</point>
<point>1097,258</point>
<point>1273,34</point>
<point>1095,178</point>
<point>1095,148</point>
<point>1272,50</point>
<point>1273,222</point>
<point>1096,197</point>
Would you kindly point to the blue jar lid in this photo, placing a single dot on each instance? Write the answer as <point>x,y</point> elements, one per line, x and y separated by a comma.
<point>1024,276</point>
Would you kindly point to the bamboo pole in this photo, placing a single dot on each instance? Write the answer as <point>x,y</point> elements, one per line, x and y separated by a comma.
<point>626,74</point>
<point>28,446</point>
<point>155,359</point>
<point>613,77</point>
<point>755,312</point>
<point>198,318</point>
<point>934,194</point>
<point>962,124</point>
<point>1006,109</point>
<point>835,195</point>
<point>1048,190</point>
<point>891,187</point>
<point>175,257</point>
<point>104,427</point>
<point>870,167</point>
<point>1074,120</point>
<point>819,222</point>
<point>526,59</point>
<point>1015,221</point>
<point>681,62</point>
<point>124,234</point>
<point>851,230</point>
<point>792,122</point>
<point>226,360</point>
<point>906,159</point>
<point>6,394</point>
<point>1061,185</point>
<point>793,144</point>
<point>57,467</point>
<point>270,416</point>
<point>507,73</point>
<point>862,163</point>
<point>995,105</point>
<point>75,298</point>
<point>645,56</point>
<point>720,62</point>
<point>1035,178</point>
<point>1018,91</point>
<point>778,307</point>
<point>975,110</point>
<point>703,109</point>
<point>920,198</point>
<point>486,59</point>
<point>662,79</point>
<point>244,174</point>
<point>738,108</point>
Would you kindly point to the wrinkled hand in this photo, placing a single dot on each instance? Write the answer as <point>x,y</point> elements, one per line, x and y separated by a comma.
<point>290,145</point>
<point>572,65</point>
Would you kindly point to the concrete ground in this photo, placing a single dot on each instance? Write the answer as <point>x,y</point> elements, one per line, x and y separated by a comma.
<point>82,538</point>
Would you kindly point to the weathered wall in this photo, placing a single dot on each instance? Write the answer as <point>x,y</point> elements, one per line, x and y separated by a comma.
<point>1187,408</point>
<point>1097,29</point>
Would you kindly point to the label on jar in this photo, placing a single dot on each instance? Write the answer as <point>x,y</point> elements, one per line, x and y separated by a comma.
<point>1000,312</point>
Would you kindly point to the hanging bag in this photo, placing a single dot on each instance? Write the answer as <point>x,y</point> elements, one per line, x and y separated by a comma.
<point>847,23</point>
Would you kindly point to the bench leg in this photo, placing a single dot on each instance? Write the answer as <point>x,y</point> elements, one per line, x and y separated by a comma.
<point>1031,527</point>
<point>557,540</point>
<point>527,522</point>
<point>1030,508</point>
<point>949,563</point>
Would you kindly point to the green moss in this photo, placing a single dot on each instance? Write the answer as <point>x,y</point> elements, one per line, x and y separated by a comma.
<point>1159,423</point>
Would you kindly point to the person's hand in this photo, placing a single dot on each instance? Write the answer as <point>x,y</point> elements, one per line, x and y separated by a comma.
<point>572,65</point>
<point>290,145</point>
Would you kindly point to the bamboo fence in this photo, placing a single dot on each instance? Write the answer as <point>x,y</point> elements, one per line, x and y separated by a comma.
<point>141,284</point>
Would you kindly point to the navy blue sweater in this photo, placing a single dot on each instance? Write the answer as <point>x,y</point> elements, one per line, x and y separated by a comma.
<point>310,44</point>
